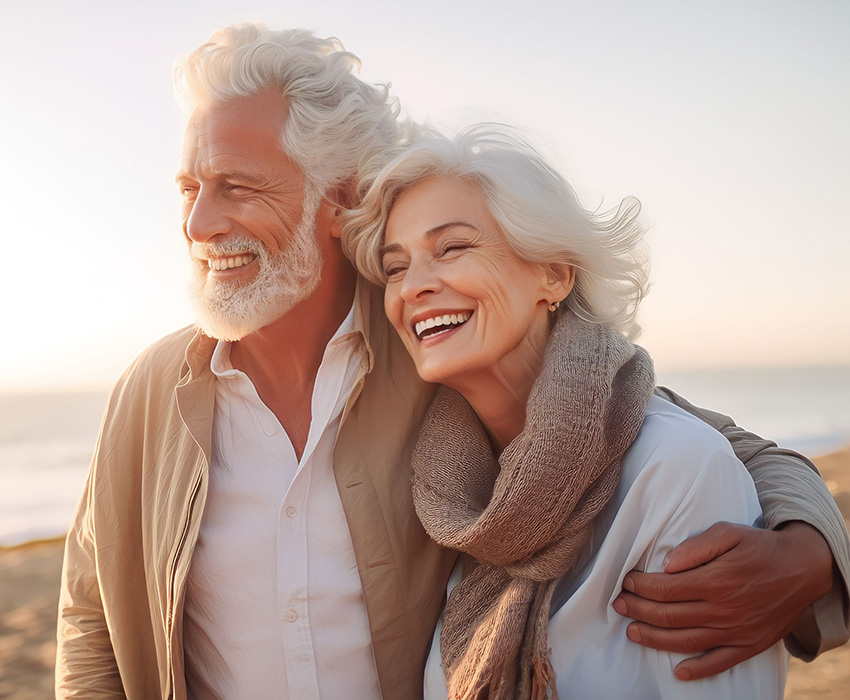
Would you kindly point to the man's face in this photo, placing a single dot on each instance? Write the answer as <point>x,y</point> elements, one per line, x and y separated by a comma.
<point>248,216</point>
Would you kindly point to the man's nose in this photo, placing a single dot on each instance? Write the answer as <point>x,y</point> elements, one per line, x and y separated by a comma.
<point>419,282</point>
<point>206,217</point>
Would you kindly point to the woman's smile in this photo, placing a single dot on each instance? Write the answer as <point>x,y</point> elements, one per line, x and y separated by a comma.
<point>440,323</point>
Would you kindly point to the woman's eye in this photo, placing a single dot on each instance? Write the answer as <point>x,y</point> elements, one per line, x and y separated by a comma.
<point>393,270</point>
<point>450,247</point>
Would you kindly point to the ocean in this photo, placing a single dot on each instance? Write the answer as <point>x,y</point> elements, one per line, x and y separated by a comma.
<point>47,439</point>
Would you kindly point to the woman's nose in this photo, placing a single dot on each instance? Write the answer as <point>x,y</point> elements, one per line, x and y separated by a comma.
<point>419,281</point>
<point>206,218</point>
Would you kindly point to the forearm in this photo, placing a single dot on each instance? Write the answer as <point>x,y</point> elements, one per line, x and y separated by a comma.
<point>791,491</point>
<point>823,625</point>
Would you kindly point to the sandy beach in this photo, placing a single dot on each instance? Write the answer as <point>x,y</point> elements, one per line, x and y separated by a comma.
<point>29,577</point>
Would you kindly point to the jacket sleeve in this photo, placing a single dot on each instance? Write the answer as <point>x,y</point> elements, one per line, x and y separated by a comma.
<point>85,661</point>
<point>790,488</point>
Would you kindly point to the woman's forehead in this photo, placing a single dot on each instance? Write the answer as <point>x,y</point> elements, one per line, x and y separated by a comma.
<point>429,206</point>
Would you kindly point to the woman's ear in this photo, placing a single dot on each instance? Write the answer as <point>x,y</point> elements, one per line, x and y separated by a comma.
<point>559,280</point>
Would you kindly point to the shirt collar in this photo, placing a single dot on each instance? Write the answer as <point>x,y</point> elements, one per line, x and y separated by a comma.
<point>222,367</point>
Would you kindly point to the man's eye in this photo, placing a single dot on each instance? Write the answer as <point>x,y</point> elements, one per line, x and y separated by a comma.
<point>188,191</point>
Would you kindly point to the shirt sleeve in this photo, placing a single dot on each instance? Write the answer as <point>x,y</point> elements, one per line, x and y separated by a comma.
<point>790,488</point>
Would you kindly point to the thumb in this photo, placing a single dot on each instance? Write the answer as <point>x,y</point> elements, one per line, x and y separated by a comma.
<point>701,549</point>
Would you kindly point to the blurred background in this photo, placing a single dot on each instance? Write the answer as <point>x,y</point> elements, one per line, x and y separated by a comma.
<point>728,120</point>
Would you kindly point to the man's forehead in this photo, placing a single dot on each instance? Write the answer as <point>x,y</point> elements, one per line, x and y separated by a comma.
<point>232,134</point>
<point>258,117</point>
<point>267,102</point>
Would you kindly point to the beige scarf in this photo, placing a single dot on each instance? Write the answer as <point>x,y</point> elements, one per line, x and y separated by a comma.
<point>525,518</point>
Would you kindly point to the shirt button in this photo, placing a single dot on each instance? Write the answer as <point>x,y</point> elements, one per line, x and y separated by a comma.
<point>291,511</point>
<point>269,428</point>
<point>290,616</point>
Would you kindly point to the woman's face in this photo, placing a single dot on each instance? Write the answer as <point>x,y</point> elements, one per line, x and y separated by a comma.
<point>462,301</point>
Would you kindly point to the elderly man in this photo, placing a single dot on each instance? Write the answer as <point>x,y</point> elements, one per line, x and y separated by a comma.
<point>247,529</point>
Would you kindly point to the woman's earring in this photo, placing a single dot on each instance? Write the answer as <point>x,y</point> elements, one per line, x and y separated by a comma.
<point>554,305</point>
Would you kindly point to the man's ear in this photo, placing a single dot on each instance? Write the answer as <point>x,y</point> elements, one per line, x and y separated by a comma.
<point>559,280</point>
<point>338,200</point>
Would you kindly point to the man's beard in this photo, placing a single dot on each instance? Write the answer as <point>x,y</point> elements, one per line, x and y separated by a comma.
<point>232,310</point>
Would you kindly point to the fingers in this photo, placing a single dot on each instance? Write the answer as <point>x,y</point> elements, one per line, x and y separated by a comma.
<point>692,640</point>
<point>689,585</point>
<point>713,662</point>
<point>667,615</point>
<point>703,548</point>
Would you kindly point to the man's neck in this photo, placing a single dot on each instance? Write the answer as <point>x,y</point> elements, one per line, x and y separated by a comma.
<point>283,358</point>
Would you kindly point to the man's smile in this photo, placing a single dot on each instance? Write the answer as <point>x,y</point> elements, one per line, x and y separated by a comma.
<point>229,262</point>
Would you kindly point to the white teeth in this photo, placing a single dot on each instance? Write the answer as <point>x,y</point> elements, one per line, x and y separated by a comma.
<point>445,320</point>
<point>230,262</point>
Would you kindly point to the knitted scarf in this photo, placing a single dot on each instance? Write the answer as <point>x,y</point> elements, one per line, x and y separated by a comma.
<point>525,517</point>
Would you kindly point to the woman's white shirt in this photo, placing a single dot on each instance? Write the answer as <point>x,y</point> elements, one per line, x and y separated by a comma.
<point>678,478</point>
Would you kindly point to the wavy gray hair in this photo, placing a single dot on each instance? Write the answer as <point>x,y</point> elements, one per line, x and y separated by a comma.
<point>336,122</point>
<point>537,210</point>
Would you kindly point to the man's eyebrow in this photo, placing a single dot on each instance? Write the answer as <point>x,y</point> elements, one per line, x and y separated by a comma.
<point>430,233</point>
<point>240,175</point>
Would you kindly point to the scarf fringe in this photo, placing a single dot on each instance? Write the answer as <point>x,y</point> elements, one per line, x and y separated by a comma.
<point>475,684</point>
<point>543,680</point>
<point>492,686</point>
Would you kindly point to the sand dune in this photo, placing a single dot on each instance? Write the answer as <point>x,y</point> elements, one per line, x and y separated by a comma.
<point>29,579</point>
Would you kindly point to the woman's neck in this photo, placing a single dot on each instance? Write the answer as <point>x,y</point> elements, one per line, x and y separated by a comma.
<point>499,394</point>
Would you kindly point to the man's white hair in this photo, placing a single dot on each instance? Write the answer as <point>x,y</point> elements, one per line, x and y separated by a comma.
<point>335,123</point>
<point>535,207</point>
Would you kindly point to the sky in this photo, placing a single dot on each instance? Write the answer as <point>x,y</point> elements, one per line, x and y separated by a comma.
<point>728,120</point>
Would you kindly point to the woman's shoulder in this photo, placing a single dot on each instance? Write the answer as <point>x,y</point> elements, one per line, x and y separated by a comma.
<point>670,428</point>
<point>675,451</point>
<point>671,434</point>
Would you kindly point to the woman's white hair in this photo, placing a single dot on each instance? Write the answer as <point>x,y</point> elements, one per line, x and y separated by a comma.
<point>537,210</point>
<point>335,120</point>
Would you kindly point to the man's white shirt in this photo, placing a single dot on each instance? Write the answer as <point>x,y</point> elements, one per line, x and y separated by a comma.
<point>274,607</point>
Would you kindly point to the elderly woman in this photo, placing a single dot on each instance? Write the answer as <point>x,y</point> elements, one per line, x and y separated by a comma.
<point>545,458</point>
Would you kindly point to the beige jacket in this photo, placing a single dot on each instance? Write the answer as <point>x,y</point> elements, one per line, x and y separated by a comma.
<point>128,554</point>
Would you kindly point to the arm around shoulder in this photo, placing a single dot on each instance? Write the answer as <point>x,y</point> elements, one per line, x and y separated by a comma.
<point>696,482</point>
<point>791,493</point>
